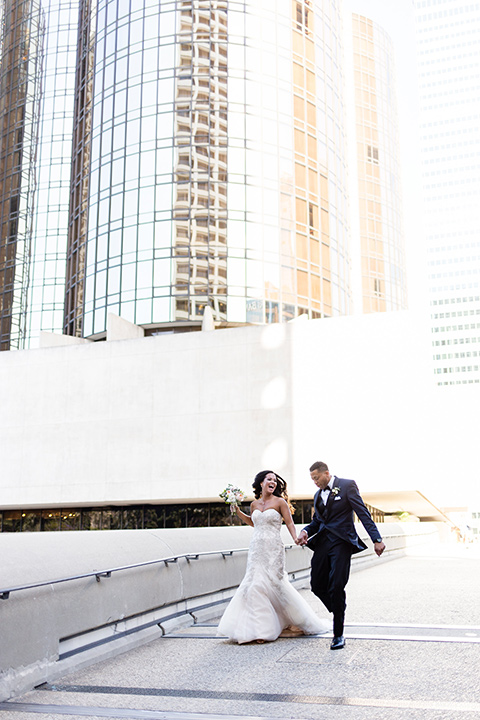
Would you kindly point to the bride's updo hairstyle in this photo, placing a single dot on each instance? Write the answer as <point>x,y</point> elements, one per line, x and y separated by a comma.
<point>280,490</point>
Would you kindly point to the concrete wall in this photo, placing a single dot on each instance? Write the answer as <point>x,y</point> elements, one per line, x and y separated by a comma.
<point>46,632</point>
<point>176,417</point>
<point>153,419</point>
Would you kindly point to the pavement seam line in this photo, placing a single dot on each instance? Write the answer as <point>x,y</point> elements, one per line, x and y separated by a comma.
<point>268,697</point>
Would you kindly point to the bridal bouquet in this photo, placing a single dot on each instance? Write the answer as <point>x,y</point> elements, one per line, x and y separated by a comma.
<point>232,496</point>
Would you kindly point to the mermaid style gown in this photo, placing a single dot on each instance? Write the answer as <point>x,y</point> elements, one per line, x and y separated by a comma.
<point>265,602</point>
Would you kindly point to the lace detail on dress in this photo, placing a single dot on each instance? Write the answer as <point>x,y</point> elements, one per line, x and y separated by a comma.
<point>265,602</point>
<point>266,555</point>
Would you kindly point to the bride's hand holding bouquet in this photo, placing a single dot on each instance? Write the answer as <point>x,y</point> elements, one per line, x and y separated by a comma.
<point>233,496</point>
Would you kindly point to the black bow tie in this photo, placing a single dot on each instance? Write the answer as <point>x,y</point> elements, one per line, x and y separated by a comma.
<point>327,488</point>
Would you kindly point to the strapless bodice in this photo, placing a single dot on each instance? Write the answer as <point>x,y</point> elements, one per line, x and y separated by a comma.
<point>269,517</point>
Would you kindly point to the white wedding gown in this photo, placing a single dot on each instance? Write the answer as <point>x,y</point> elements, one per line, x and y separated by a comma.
<point>265,602</point>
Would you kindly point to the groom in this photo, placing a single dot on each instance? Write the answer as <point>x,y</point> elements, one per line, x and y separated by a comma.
<point>333,538</point>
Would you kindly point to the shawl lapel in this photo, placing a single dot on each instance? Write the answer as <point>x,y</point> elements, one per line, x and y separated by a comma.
<point>319,505</point>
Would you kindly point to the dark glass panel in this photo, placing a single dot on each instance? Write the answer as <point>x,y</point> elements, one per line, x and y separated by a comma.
<point>233,519</point>
<point>307,512</point>
<point>175,516</point>
<point>298,513</point>
<point>51,520</point>
<point>71,520</point>
<point>219,514</point>
<point>154,517</point>
<point>132,519</point>
<point>32,521</point>
<point>12,521</point>
<point>197,516</point>
<point>91,519</point>
<point>111,519</point>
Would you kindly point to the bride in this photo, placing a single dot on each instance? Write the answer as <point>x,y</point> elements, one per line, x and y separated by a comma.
<point>265,603</point>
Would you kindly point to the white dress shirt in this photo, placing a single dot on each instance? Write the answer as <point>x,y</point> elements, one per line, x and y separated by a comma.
<point>326,492</point>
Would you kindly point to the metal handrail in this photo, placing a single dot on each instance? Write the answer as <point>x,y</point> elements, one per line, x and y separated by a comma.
<point>97,574</point>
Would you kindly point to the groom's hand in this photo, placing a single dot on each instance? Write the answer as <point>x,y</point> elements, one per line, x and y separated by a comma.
<point>379,548</point>
<point>302,538</point>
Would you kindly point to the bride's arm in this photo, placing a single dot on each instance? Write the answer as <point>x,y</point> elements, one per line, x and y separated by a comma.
<point>287,516</point>
<point>245,518</point>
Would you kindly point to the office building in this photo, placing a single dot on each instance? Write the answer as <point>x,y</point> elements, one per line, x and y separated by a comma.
<point>192,154</point>
<point>378,161</point>
<point>21,55</point>
<point>449,65</point>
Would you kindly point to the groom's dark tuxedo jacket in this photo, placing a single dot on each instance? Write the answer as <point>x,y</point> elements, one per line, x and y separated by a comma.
<point>336,517</point>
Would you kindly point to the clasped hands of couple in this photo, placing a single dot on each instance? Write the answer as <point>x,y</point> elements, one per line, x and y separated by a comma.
<point>302,540</point>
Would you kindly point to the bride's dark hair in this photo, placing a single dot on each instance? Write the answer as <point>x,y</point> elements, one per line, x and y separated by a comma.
<point>280,490</point>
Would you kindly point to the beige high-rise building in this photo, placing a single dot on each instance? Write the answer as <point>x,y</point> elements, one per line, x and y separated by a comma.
<point>379,179</point>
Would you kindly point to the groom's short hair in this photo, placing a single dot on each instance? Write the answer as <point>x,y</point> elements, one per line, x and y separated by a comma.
<point>319,466</point>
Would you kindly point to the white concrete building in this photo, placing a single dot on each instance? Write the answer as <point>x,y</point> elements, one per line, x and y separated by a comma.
<point>174,418</point>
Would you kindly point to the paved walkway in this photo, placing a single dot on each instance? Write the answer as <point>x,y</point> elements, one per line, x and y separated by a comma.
<point>413,651</point>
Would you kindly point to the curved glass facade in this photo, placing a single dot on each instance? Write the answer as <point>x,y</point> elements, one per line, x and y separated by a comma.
<point>216,172</point>
<point>21,38</point>
<point>193,153</point>
<point>46,292</point>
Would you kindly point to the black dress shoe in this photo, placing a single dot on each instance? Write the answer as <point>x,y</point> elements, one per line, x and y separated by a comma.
<point>338,643</point>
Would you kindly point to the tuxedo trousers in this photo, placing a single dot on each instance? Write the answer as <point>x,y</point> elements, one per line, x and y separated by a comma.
<point>331,562</point>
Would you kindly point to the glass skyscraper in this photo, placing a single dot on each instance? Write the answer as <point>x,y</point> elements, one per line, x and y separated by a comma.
<point>21,55</point>
<point>46,289</point>
<point>193,153</point>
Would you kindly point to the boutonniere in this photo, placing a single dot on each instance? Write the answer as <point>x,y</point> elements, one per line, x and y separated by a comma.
<point>335,491</point>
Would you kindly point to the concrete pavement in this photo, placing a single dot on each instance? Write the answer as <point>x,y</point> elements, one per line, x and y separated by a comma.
<point>413,652</point>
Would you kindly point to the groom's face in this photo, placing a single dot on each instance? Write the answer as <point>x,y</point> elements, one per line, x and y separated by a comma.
<point>320,478</point>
